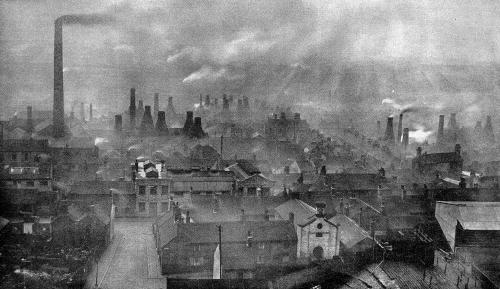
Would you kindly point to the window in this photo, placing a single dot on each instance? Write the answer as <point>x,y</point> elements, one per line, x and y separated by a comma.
<point>179,193</point>
<point>26,156</point>
<point>260,259</point>
<point>319,226</point>
<point>262,245</point>
<point>142,190</point>
<point>44,183</point>
<point>196,248</point>
<point>13,156</point>
<point>142,207</point>
<point>319,235</point>
<point>30,183</point>
<point>196,261</point>
<point>164,190</point>
<point>153,190</point>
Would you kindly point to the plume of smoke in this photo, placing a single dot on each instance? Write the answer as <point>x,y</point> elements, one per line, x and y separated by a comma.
<point>86,19</point>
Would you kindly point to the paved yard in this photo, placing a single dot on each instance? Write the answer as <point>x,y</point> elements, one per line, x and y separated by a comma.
<point>131,260</point>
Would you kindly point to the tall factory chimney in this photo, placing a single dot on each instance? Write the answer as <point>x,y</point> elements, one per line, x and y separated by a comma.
<point>207,100</point>
<point>29,119</point>
<point>147,120</point>
<point>453,121</point>
<point>189,122</point>
<point>440,136</point>
<point>90,112</point>
<point>156,105</point>
<point>132,109</point>
<point>82,111</point>
<point>161,124</point>
<point>118,122</point>
<point>58,104</point>
<point>201,100</point>
<point>400,128</point>
<point>406,138</point>
<point>389,131</point>
<point>379,129</point>
<point>246,104</point>
<point>225,103</point>
<point>488,130</point>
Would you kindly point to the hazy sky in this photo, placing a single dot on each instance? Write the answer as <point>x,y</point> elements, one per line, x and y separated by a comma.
<point>182,47</point>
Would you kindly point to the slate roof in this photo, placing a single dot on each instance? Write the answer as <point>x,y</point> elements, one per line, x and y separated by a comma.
<point>257,181</point>
<point>25,145</point>
<point>478,215</point>
<point>350,232</point>
<point>301,210</point>
<point>237,231</point>
<point>438,158</point>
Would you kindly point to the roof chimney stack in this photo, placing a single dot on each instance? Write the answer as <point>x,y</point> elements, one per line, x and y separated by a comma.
<point>207,100</point>
<point>90,112</point>
<point>488,130</point>
<point>246,104</point>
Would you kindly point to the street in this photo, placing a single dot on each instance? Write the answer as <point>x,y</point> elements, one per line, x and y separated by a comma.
<point>131,260</point>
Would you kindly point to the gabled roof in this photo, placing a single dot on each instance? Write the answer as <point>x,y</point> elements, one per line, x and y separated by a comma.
<point>167,228</point>
<point>75,214</point>
<point>438,158</point>
<point>257,181</point>
<point>3,223</point>
<point>313,218</point>
<point>237,231</point>
<point>301,210</point>
<point>350,232</point>
<point>477,215</point>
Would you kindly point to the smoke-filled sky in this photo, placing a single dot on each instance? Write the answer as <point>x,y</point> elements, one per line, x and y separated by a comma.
<point>293,51</point>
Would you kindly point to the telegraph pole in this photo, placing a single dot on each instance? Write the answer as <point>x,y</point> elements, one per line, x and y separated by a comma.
<point>220,251</point>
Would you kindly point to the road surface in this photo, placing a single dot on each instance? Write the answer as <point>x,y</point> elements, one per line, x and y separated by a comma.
<point>131,260</point>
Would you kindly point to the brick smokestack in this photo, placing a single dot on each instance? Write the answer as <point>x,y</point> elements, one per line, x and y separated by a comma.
<point>29,119</point>
<point>147,120</point>
<point>207,100</point>
<point>196,129</point>
<point>58,104</point>
<point>118,122</point>
<point>58,128</point>
<point>132,108</point>
<point>189,122</point>
<point>389,131</point>
<point>225,103</point>
<point>406,138</point>
<point>156,105</point>
<point>82,111</point>
<point>201,100</point>
<point>246,104</point>
<point>379,128</point>
<point>488,130</point>
<point>161,124</point>
<point>400,128</point>
<point>453,121</point>
<point>90,112</point>
<point>440,136</point>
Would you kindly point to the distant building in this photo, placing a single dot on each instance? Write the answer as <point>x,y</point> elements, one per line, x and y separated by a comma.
<point>429,164</point>
<point>287,128</point>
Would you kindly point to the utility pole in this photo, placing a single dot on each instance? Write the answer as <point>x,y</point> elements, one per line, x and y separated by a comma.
<point>220,250</point>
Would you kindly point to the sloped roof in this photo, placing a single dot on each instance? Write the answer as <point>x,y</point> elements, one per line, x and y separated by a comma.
<point>350,232</point>
<point>167,228</point>
<point>301,210</point>
<point>478,215</point>
<point>238,231</point>
<point>257,181</point>
<point>75,214</point>
<point>438,158</point>
<point>3,223</point>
